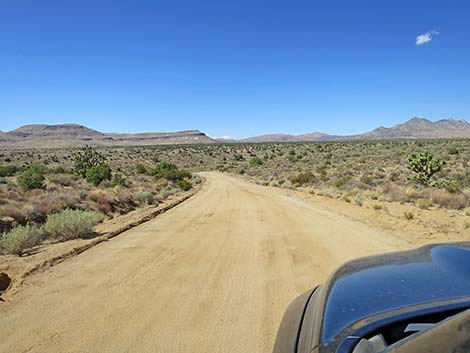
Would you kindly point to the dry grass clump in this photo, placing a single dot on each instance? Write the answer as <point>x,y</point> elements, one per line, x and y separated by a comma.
<point>446,199</point>
<point>424,203</point>
<point>409,215</point>
<point>62,179</point>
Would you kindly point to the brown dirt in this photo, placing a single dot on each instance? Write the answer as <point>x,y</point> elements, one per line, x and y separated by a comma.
<point>213,274</point>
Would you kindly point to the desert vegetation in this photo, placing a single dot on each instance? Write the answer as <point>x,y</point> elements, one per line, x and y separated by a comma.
<point>64,194</point>
<point>36,186</point>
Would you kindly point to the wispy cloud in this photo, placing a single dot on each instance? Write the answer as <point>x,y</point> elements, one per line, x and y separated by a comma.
<point>426,37</point>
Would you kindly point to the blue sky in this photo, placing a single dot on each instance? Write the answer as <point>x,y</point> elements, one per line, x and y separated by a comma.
<point>236,68</point>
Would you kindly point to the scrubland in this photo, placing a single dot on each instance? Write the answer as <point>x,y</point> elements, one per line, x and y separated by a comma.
<point>62,195</point>
<point>35,184</point>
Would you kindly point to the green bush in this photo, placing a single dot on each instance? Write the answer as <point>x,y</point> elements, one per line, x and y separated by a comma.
<point>71,224</point>
<point>20,239</point>
<point>256,161</point>
<point>303,178</point>
<point>31,178</point>
<point>8,170</point>
<point>96,175</point>
<point>85,159</point>
<point>169,172</point>
<point>140,169</point>
<point>184,185</point>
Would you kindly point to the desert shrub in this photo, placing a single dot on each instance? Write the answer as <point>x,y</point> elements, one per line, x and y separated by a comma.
<point>184,184</point>
<point>425,166</point>
<point>145,197</point>
<point>169,172</point>
<point>59,170</point>
<point>161,184</point>
<point>449,185</point>
<point>103,202</point>
<point>119,180</point>
<point>97,174</point>
<point>51,204</point>
<point>17,213</point>
<point>449,200</point>
<point>393,192</point>
<point>303,178</point>
<point>367,179</point>
<point>163,194</point>
<point>342,181</point>
<point>124,200</point>
<point>462,179</point>
<point>424,203</point>
<point>8,170</point>
<point>255,161</point>
<point>410,194</point>
<point>60,179</point>
<point>453,150</point>
<point>20,239</point>
<point>177,175</point>
<point>140,169</point>
<point>161,167</point>
<point>85,159</point>
<point>238,157</point>
<point>31,178</point>
<point>71,224</point>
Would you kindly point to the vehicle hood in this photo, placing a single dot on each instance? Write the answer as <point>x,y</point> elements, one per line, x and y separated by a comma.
<point>378,284</point>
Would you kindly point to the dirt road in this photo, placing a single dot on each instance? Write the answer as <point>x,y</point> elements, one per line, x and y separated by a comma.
<point>214,274</point>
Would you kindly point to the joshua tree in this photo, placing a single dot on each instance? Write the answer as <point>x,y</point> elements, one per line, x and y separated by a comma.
<point>85,159</point>
<point>425,166</point>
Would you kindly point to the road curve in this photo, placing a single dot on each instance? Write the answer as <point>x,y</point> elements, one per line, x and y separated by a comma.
<point>214,274</point>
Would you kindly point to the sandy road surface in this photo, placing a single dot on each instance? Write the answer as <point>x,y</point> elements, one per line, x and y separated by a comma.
<point>211,275</point>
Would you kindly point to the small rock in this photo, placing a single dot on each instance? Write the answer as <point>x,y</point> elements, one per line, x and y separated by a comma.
<point>4,281</point>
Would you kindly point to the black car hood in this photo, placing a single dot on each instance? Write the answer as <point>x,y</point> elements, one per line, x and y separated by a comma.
<point>378,284</point>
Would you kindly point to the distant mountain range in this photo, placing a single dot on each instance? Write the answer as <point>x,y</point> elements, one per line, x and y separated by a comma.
<point>66,135</point>
<point>415,128</point>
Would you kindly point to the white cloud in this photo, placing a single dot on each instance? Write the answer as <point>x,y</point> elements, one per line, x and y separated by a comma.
<point>426,37</point>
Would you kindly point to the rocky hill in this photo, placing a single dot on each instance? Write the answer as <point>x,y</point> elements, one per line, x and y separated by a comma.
<point>422,128</point>
<point>65,135</point>
<point>418,128</point>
